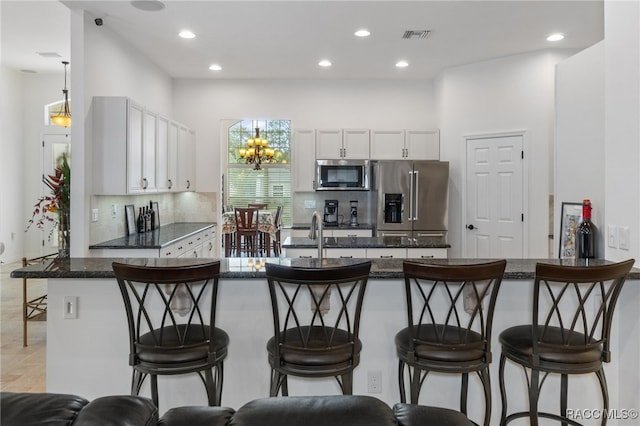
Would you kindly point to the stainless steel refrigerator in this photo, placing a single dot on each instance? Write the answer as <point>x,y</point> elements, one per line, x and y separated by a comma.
<point>413,198</point>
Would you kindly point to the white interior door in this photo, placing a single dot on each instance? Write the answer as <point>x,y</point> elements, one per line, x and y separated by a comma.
<point>53,147</point>
<point>494,197</point>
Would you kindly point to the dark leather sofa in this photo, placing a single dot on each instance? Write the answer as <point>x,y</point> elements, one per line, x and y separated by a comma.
<point>18,409</point>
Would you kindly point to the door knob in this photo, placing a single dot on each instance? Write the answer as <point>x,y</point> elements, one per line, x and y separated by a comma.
<point>471,227</point>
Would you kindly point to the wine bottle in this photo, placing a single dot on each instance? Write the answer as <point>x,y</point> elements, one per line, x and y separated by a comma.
<point>140,223</point>
<point>152,214</point>
<point>586,234</point>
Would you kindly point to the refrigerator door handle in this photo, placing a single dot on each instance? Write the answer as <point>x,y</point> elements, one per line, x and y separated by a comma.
<point>411,192</point>
<point>416,176</point>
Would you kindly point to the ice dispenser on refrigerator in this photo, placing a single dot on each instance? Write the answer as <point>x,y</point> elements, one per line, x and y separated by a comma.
<point>392,208</point>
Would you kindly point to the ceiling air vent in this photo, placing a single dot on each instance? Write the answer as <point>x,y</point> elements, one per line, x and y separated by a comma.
<point>416,34</point>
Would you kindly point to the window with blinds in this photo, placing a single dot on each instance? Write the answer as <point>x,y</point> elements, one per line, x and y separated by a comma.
<point>270,185</point>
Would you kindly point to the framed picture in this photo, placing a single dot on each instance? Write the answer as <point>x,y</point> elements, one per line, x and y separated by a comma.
<point>156,210</point>
<point>130,218</point>
<point>570,217</point>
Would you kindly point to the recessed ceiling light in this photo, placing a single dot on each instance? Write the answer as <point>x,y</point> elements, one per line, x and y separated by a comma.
<point>148,5</point>
<point>186,34</point>
<point>402,64</point>
<point>362,33</point>
<point>555,37</point>
<point>324,63</point>
<point>215,67</point>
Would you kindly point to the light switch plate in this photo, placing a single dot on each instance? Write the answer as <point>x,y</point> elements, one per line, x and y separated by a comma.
<point>94,215</point>
<point>624,237</point>
<point>612,236</point>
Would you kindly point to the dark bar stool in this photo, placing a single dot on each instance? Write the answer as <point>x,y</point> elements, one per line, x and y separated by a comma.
<point>246,231</point>
<point>315,335</point>
<point>449,327</point>
<point>565,337</point>
<point>277,221</point>
<point>169,331</point>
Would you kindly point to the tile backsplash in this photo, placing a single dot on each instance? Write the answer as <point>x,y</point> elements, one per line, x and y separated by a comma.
<point>180,207</point>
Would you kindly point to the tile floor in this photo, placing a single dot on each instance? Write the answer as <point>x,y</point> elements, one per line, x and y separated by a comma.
<point>22,369</point>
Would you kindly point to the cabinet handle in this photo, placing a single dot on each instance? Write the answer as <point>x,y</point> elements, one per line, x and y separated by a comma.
<point>426,257</point>
<point>386,257</point>
<point>346,257</point>
<point>170,184</point>
<point>352,235</point>
<point>144,183</point>
<point>210,246</point>
<point>195,253</point>
<point>168,253</point>
<point>188,184</point>
<point>305,257</point>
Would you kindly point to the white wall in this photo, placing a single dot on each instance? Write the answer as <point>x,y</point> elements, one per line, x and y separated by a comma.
<point>622,118</point>
<point>11,195</point>
<point>580,130</point>
<point>622,172</point>
<point>505,94</point>
<point>104,65</point>
<point>381,104</point>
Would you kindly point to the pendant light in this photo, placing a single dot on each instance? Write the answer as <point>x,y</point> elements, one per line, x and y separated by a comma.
<point>63,117</point>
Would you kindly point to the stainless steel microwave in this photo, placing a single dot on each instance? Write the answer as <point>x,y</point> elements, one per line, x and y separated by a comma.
<point>343,175</point>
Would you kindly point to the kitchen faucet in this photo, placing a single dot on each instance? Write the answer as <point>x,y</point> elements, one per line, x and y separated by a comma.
<point>316,225</point>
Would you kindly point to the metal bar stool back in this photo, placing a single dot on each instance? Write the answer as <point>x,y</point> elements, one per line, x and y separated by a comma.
<point>569,334</point>
<point>171,319</point>
<point>449,325</point>
<point>316,320</point>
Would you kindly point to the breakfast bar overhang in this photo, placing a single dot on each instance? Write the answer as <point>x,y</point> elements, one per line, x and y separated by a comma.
<point>87,355</point>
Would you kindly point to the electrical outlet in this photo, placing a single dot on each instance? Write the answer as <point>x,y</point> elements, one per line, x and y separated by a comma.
<point>623,237</point>
<point>70,307</point>
<point>114,210</point>
<point>374,381</point>
<point>612,236</point>
<point>94,215</point>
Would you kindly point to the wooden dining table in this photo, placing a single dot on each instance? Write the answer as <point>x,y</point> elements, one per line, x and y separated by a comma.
<point>266,226</point>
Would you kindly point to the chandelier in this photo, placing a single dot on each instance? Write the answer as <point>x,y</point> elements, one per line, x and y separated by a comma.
<point>257,151</point>
<point>63,117</point>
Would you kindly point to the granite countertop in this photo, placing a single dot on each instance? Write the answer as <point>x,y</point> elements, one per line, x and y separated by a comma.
<point>242,268</point>
<point>156,239</point>
<point>368,242</point>
<point>344,225</point>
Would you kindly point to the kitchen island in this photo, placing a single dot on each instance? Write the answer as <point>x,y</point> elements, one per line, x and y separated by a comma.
<point>89,355</point>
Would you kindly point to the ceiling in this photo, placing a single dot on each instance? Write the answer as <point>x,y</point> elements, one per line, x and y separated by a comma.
<point>287,39</point>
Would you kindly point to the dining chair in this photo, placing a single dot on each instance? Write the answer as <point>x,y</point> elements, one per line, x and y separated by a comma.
<point>316,321</point>
<point>246,231</point>
<point>570,333</point>
<point>449,325</point>
<point>258,206</point>
<point>277,241</point>
<point>171,313</point>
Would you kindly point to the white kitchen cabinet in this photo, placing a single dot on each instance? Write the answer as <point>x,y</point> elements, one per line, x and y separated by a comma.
<point>427,253</point>
<point>405,144</point>
<point>422,144</point>
<point>186,159</point>
<point>328,144</point>
<point>382,253</point>
<point>301,252</point>
<point>355,144</point>
<point>172,156</point>
<point>162,155</point>
<point>346,253</point>
<point>135,150</point>
<point>303,160</point>
<point>334,144</point>
<point>117,146</point>
<point>351,233</point>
